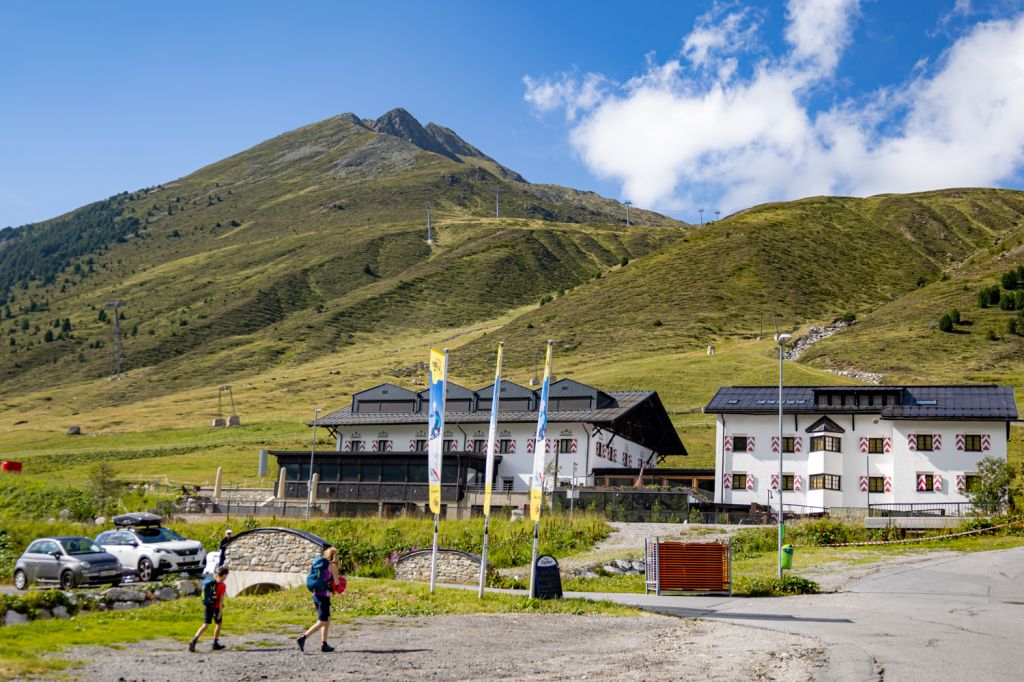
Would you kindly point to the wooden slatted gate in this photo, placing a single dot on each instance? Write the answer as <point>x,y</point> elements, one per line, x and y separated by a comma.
<point>688,567</point>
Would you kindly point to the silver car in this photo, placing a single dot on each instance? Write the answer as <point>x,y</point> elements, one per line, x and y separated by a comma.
<point>68,561</point>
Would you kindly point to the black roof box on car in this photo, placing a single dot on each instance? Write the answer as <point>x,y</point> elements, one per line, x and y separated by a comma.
<point>137,519</point>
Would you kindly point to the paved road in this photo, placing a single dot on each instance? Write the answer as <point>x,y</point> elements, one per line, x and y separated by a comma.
<point>951,619</point>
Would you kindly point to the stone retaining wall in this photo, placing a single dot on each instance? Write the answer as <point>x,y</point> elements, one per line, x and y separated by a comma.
<point>272,552</point>
<point>59,604</point>
<point>453,567</point>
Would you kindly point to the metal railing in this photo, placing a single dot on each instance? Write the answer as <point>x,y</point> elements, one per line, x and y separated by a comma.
<point>371,492</point>
<point>922,509</point>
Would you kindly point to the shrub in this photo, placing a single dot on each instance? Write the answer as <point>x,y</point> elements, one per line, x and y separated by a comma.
<point>657,323</point>
<point>988,296</point>
<point>849,318</point>
<point>763,586</point>
<point>954,315</point>
<point>1010,280</point>
<point>991,335</point>
<point>624,262</point>
<point>825,532</point>
<point>1011,326</point>
<point>945,324</point>
<point>1008,302</point>
<point>755,541</point>
<point>992,491</point>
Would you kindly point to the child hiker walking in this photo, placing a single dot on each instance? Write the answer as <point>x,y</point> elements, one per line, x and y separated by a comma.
<point>324,578</point>
<point>213,603</point>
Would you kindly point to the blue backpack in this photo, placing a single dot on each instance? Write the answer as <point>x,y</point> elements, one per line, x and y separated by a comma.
<point>209,593</point>
<point>319,575</point>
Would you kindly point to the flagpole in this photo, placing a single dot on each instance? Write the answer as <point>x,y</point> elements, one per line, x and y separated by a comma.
<point>433,556</point>
<point>435,453</point>
<point>533,560</point>
<point>492,443</point>
<point>537,480</point>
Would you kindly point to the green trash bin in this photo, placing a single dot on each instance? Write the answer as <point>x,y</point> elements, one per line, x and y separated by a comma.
<point>787,556</point>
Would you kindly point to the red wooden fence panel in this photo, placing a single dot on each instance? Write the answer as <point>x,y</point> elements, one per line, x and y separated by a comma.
<point>693,566</point>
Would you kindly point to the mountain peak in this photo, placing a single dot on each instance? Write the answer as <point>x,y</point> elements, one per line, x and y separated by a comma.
<point>401,124</point>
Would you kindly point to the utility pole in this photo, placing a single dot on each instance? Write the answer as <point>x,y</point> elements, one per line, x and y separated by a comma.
<point>701,211</point>
<point>497,202</point>
<point>118,347</point>
<point>717,214</point>
<point>430,236</point>
<point>628,204</point>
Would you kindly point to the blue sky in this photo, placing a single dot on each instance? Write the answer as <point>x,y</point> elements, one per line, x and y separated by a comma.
<point>673,105</point>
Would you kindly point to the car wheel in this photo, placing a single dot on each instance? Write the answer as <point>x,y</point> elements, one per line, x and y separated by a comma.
<point>68,580</point>
<point>145,570</point>
<point>20,580</point>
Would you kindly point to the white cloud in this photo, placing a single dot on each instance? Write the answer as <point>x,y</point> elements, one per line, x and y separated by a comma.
<point>565,92</point>
<point>690,129</point>
<point>818,30</point>
<point>722,29</point>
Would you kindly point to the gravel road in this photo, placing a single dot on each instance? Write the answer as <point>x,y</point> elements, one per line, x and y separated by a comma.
<point>507,646</point>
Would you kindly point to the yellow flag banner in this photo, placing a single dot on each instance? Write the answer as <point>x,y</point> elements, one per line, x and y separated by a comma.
<point>435,419</point>
<point>540,444</point>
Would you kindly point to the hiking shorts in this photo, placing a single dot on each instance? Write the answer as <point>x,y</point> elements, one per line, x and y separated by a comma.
<point>323,606</point>
<point>212,615</point>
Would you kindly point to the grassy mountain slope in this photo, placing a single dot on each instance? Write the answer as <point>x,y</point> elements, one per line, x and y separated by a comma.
<point>283,252</point>
<point>298,271</point>
<point>802,262</point>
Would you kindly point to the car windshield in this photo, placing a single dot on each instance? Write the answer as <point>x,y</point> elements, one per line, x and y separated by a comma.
<point>80,546</point>
<point>151,535</point>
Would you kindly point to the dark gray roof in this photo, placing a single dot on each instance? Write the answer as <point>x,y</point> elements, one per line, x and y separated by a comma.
<point>508,390</point>
<point>825,424</point>
<point>978,402</point>
<point>955,402</point>
<point>385,392</point>
<point>625,401</point>
<point>648,423</point>
<point>453,392</point>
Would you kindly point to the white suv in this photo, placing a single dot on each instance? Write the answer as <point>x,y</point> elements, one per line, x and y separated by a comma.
<point>144,547</point>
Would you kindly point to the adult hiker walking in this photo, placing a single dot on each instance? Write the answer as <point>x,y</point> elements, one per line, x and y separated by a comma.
<point>323,579</point>
<point>213,605</point>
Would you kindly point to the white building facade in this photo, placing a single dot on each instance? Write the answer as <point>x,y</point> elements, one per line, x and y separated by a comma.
<point>856,446</point>
<point>587,428</point>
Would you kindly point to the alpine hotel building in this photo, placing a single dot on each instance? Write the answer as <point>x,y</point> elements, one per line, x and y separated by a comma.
<point>855,446</point>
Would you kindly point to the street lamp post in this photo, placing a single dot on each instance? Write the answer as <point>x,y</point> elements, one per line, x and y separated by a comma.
<point>781,340</point>
<point>627,204</point>
<point>312,450</point>
<point>701,211</point>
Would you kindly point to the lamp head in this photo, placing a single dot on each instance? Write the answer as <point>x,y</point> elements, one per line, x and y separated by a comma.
<point>783,339</point>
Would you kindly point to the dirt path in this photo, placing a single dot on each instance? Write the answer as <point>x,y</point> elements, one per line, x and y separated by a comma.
<point>524,647</point>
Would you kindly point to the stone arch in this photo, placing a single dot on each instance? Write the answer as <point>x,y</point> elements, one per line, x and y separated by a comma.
<point>259,588</point>
<point>453,567</point>
<point>274,558</point>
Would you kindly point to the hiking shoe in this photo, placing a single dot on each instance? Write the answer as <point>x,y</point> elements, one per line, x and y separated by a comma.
<point>217,646</point>
<point>301,641</point>
<point>192,646</point>
<point>326,648</point>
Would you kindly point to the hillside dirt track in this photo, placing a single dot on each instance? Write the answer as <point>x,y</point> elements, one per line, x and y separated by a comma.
<point>507,646</point>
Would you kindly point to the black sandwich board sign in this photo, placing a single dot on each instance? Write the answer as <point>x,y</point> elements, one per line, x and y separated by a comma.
<point>549,580</point>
